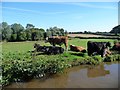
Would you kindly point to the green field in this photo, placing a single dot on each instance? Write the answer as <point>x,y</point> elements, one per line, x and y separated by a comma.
<point>19,64</point>
<point>26,46</point>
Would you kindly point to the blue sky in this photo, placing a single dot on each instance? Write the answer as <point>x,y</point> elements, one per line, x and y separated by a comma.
<point>72,16</point>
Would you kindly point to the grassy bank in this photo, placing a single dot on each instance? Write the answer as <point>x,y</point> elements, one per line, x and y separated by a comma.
<point>18,64</point>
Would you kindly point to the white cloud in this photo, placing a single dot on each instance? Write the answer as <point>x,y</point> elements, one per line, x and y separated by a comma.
<point>93,5</point>
<point>32,11</point>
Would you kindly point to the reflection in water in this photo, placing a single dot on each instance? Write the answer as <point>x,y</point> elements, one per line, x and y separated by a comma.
<point>97,71</point>
<point>102,76</point>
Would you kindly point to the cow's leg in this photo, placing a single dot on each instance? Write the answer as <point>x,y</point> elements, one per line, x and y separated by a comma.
<point>53,44</point>
<point>89,52</point>
<point>66,46</point>
<point>102,53</point>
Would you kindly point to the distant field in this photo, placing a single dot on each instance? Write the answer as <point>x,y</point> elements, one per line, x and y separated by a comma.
<point>26,46</point>
<point>85,35</point>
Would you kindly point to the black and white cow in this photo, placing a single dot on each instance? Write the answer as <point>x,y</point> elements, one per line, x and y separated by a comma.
<point>99,48</point>
<point>48,49</point>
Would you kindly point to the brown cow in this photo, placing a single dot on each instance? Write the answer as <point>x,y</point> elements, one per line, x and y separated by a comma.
<point>77,48</point>
<point>59,40</point>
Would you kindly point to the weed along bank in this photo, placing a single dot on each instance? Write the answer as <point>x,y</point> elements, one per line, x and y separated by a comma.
<point>22,65</point>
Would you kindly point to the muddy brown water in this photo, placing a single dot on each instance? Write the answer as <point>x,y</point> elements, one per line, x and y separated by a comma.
<point>101,76</point>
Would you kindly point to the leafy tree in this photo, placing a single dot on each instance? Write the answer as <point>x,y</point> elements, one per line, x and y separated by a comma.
<point>33,33</point>
<point>41,33</point>
<point>66,33</point>
<point>16,32</point>
<point>115,30</point>
<point>13,37</point>
<point>6,31</point>
<point>48,33</point>
<point>22,36</point>
<point>29,26</point>
<point>54,31</point>
<point>0,31</point>
<point>17,29</point>
<point>85,32</point>
<point>28,35</point>
<point>37,34</point>
<point>62,33</point>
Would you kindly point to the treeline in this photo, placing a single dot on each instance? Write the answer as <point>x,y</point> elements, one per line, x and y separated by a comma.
<point>111,33</point>
<point>114,32</point>
<point>16,32</point>
<point>85,32</point>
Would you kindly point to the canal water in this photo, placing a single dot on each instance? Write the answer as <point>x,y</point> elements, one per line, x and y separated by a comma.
<point>102,76</point>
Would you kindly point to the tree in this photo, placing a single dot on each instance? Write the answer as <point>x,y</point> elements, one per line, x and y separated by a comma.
<point>29,26</point>
<point>37,34</point>
<point>41,33</point>
<point>115,30</point>
<point>33,33</point>
<point>13,37</point>
<point>85,32</point>
<point>28,35</point>
<point>6,31</point>
<point>17,29</point>
<point>22,36</point>
<point>54,31</point>
<point>48,33</point>
<point>66,33</point>
<point>62,33</point>
<point>16,32</point>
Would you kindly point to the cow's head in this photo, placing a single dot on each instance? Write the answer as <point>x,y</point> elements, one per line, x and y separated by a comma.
<point>36,45</point>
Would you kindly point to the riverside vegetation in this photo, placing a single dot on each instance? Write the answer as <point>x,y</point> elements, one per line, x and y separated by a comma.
<point>19,64</point>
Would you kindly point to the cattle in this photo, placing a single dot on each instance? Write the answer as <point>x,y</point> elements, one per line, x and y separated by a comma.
<point>116,46</point>
<point>48,49</point>
<point>99,48</point>
<point>77,48</point>
<point>107,52</point>
<point>58,40</point>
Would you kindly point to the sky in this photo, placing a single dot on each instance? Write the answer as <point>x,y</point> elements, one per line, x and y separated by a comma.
<point>72,16</point>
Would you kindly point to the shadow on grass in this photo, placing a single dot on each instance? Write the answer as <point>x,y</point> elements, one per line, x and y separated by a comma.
<point>77,54</point>
<point>33,53</point>
<point>43,53</point>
